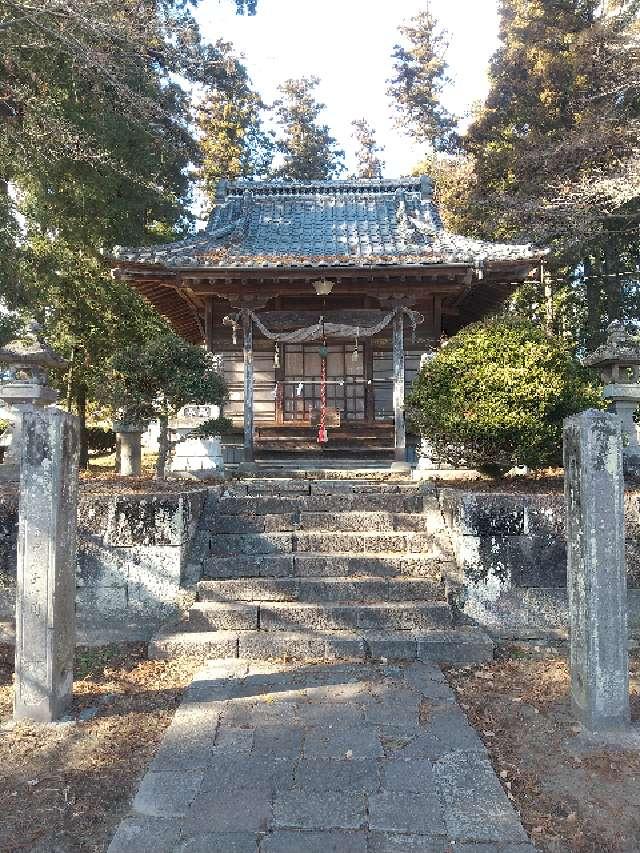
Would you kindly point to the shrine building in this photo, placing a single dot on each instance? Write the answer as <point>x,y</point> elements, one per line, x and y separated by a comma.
<point>320,297</point>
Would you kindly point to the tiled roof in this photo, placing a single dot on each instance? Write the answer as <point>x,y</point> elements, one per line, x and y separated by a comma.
<point>324,223</point>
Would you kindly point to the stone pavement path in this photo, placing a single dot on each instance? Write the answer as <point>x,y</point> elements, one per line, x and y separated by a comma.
<point>326,758</point>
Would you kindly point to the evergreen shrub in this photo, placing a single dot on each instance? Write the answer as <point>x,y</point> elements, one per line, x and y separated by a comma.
<point>496,394</point>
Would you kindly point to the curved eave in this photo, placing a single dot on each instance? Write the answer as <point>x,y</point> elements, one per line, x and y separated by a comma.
<point>490,283</point>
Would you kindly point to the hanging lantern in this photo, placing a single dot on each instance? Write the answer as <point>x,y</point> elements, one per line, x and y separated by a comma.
<point>300,389</point>
<point>324,350</point>
<point>355,354</point>
<point>234,334</point>
<point>276,356</point>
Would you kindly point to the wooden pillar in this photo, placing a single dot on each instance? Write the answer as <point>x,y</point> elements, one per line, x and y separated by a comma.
<point>208,324</point>
<point>437,316</point>
<point>369,391</point>
<point>400,453</point>
<point>247,328</point>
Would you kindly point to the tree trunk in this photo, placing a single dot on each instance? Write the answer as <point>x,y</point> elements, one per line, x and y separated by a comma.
<point>163,448</point>
<point>592,299</point>
<point>81,406</point>
<point>612,281</point>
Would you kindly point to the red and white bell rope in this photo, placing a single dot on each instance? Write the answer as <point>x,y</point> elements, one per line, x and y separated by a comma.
<point>322,431</point>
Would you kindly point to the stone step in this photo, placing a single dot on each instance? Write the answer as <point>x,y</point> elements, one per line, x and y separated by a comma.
<point>288,616</point>
<point>293,486</point>
<point>231,544</point>
<point>269,504</point>
<point>450,645</point>
<point>369,521</point>
<point>243,566</point>
<point>384,564</point>
<point>234,544</point>
<point>350,522</point>
<point>364,543</point>
<point>326,565</point>
<point>318,589</point>
<point>215,616</point>
<point>394,616</point>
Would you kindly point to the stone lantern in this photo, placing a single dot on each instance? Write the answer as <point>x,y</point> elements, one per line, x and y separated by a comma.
<point>24,387</point>
<point>618,363</point>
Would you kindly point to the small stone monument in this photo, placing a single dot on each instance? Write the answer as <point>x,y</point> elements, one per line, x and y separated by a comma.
<point>24,388</point>
<point>596,573</point>
<point>197,457</point>
<point>618,362</point>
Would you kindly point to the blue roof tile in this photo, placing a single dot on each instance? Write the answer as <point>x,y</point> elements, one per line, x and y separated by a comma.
<point>297,223</point>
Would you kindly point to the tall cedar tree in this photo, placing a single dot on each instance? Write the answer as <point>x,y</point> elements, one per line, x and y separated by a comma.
<point>556,158</point>
<point>233,141</point>
<point>96,146</point>
<point>420,69</point>
<point>309,151</point>
<point>369,163</point>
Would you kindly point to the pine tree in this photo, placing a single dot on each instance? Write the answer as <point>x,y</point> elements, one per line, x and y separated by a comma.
<point>555,149</point>
<point>233,141</point>
<point>309,151</point>
<point>369,163</point>
<point>95,150</point>
<point>421,75</point>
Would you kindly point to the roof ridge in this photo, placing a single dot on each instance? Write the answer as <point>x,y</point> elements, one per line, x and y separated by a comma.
<point>240,186</point>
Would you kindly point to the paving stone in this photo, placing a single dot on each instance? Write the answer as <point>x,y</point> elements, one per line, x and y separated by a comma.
<point>235,740</point>
<point>385,842</point>
<point>393,711</point>
<point>278,741</point>
<point>229,770</point>
<point>314,842</point>
<point>324,714</point>
<point>317,774</point>
<point>495,848</point>
<point>145,835</point>
<point>298,766</point>
<point>445,732</point>
<point>341,742</point>
<point>475,806</point>
<point>230,810</point>
<point>401,775</point>
<point>218,842</point>
<point>323,810</point>
<point>390,811</point>
<point>167,794</point>
<point>188,742</point>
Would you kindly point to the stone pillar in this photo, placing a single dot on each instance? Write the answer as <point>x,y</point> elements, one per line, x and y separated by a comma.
<point>400,442</point>
<point>247,328</point>
<point>596,575</point>
<point>129,455</point>
<point>46,575</point>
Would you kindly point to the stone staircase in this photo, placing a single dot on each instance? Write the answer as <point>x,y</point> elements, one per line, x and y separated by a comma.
<point>311,569</point>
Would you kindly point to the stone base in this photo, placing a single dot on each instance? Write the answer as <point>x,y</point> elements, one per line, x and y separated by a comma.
<point>401,467</point>
<point>624,738</point>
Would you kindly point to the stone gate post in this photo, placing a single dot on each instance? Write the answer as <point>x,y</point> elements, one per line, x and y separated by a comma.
<point>596,575</point>
<point>46,576</point>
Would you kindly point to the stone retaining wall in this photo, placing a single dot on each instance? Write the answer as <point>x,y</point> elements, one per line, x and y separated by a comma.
<point>511,555</point>
<point>132,560</point>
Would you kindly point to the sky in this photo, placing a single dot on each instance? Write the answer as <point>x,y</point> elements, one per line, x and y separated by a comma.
<point>348,44</point>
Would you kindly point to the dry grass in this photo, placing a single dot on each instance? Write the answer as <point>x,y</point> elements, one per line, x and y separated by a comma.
<point>568,802</point>
<point>66,786</point>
